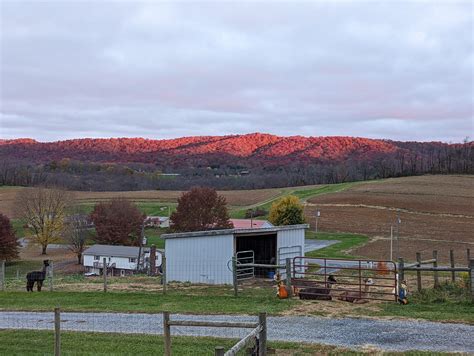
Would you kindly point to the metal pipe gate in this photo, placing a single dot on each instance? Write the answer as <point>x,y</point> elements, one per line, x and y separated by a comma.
<point>355,279</point>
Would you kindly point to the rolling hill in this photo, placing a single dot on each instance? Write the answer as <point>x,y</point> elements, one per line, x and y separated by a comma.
<point>271,161</point>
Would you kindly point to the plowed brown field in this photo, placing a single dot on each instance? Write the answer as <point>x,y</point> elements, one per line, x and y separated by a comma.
<point>236,198</point>
<point>436,212</point>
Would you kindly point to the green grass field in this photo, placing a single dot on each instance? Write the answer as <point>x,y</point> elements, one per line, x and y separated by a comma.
<point>148,208</point>
<point>17,225</point>
<point>302,194</point>
<point>339,250</point>
<point>450,302</point>
<point>198,300</point>
<point>41,342</point>
<point>153,236</point>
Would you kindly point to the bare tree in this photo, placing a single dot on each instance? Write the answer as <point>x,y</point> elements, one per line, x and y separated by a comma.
<point>76,232</point>
<point>44,211</point>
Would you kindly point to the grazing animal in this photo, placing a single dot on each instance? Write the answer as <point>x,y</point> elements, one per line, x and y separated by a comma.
<point>355,296</point>
<point>36,277</point>
<point>319,293</point>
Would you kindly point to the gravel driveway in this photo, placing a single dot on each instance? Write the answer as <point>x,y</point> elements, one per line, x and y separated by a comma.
<point>395,335</point>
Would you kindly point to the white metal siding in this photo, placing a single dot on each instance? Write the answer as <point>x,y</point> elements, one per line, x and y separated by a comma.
<point>88,260</point>
<point>290,238</point>
<point>200,259</point>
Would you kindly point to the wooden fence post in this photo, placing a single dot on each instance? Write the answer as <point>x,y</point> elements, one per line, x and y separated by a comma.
<point>468,253</point>
<point>167,333</point>
<point>288,277</point>
<point>50,276</point>
<point>262,340</point>
<point>219,351</point>
<point>435,265</point>
<point>57,332</point>
<point>104,272</point>
<point>418,273</point>
<point>451,259</point>
<point>152,265</point>
<point>401,272</point>
<point>163,274</point>
<point>471,277</point>
<point>2,275</point>
<point>234,275</point>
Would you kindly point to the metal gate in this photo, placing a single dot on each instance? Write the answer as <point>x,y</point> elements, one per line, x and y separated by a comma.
<point>343,279</point>
<point>287,252</point>
<point>245,272</point>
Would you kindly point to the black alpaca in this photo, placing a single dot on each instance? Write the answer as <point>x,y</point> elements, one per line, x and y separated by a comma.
<point>36,276</point>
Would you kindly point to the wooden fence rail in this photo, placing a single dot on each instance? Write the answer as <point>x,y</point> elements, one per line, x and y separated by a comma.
<point>259,332</point>
<point>419,267</point>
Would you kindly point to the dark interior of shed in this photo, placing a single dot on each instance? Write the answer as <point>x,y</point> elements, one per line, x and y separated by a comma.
<point>264,247</point>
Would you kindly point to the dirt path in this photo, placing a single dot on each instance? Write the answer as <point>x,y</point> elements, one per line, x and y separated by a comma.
<point>381,207</point>
<point>355,333</point>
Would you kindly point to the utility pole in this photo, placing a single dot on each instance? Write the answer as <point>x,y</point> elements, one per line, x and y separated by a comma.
<point>391,242</point>
<point>398,233</point>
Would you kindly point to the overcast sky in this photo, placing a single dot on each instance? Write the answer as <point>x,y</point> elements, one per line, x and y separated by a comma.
<point>397,70</point>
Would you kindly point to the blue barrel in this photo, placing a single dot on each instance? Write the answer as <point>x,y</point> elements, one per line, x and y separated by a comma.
<point>271,274</point>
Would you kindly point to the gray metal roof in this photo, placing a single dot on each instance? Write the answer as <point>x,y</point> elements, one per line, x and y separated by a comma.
<point>116,251</point>
<point>262,231</point>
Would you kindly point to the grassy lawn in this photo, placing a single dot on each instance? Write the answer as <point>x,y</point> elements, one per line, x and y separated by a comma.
<point>347,241</point>
<point>450,302</point>
<point>153,237</point>
<point>305,194</point>
<point>18,227</point>
<point>41,342</point>
<point>22,267</point>
<point>156,209</point>
<point>148,208</point>
<point>197,300</point>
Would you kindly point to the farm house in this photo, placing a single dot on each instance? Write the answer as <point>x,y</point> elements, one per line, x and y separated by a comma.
<point>205,256</point>
<point>120,260</point>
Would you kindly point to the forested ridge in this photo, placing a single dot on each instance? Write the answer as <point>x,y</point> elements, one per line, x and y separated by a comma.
<point>226,162</point>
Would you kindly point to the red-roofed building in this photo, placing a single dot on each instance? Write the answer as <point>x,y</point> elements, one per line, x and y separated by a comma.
<point>250,224</point>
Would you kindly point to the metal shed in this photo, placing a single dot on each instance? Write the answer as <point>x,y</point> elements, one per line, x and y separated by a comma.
<point>205,256</point>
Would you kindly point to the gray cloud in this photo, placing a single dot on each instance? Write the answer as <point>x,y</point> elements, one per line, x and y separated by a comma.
<point>160,70</point>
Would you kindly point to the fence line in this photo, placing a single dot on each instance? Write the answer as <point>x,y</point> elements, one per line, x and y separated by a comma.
<point>419,268</point>
<point>259,333</point>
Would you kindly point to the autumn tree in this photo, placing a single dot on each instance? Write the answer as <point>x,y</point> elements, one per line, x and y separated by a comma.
<point>118,222</point>
<point>200,209</point>
<point>286,211</point>
<point>8,241</point>
<point>76,233</point>
<point>43,210</point>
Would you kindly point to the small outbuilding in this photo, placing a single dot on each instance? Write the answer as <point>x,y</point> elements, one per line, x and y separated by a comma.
<point>206,256</point>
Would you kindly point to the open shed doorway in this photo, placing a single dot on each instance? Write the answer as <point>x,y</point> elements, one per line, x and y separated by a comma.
<point>264,247</point>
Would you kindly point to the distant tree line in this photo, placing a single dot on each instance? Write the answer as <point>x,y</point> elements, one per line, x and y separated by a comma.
<point>411,158</point>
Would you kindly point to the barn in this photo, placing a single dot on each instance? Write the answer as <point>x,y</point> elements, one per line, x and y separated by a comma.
<point>206,256</point>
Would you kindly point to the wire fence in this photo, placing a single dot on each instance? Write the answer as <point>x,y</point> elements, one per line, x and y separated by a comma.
<point>220,274</point>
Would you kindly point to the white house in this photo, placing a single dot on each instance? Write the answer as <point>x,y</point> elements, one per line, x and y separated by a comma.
<point>120,260</point>
<point>206,256</point>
